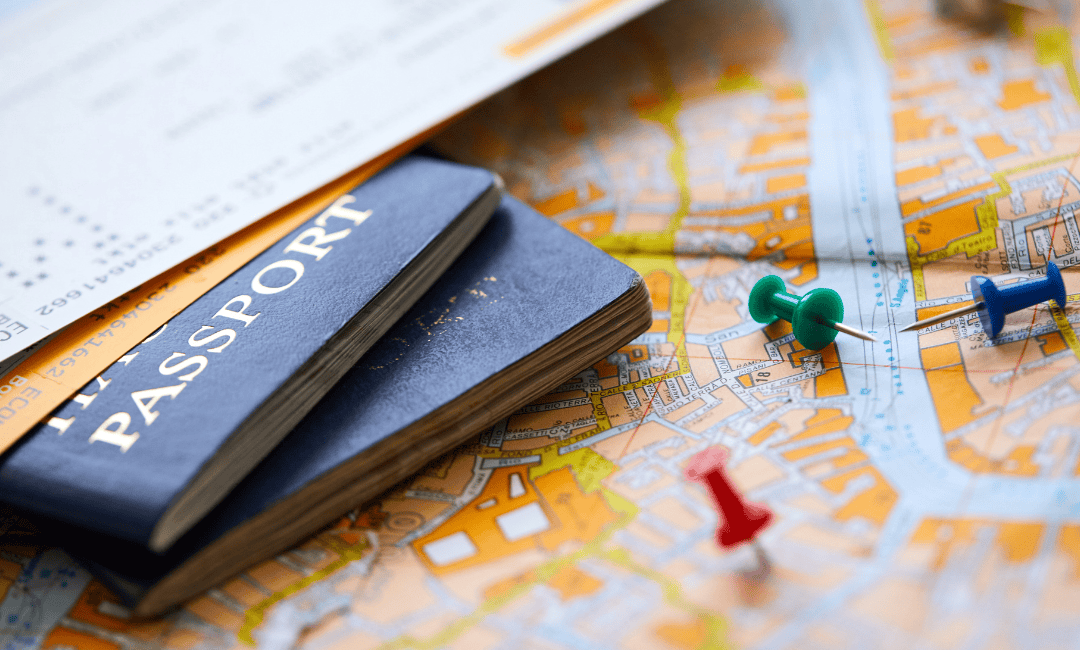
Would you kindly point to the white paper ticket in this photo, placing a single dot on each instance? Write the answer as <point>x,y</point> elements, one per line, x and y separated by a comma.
<point>135,134</point>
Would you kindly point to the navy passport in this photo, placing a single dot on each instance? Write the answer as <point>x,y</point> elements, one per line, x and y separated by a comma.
<point>153,444</point>
<point>526,306</point>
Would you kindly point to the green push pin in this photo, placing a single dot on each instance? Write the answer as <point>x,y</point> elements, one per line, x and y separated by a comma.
<point>815,318</point>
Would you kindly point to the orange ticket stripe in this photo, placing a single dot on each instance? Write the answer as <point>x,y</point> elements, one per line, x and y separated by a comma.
<point>559,26</point>
<point>82,350</point>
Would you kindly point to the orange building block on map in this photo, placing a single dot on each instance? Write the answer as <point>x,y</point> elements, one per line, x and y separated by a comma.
<point>908,125</point>
<point>590,226</point>
<point>873,504</point>
<point>784,183</point>
<point>916,174</point>
<point>766,142</point>
<point>552,206</point>
<point>513,514</point>
<point>62,638</point>
<point>953,395</point>
<point>935,231</point>
<point>994,146</point>
<point>1020,93</point>
<point>659,285</point>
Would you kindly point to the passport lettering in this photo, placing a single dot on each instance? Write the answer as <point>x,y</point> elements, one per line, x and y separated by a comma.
<point>311,245</point>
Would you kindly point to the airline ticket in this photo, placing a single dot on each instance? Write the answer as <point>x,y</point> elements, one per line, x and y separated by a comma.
<point>136,134</point>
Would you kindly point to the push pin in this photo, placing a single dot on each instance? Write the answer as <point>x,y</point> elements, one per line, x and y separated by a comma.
<point>993,302</point>
<point>742,521</point>
<point>815,318</point>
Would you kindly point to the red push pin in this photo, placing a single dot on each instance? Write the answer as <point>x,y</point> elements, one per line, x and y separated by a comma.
<point>741,520</point>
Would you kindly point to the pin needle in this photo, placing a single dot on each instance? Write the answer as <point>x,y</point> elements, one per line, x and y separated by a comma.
<point>992,302</point>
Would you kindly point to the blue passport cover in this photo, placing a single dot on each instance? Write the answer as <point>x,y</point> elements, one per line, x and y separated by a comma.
<point>522,283</point>
<point>185,389</point>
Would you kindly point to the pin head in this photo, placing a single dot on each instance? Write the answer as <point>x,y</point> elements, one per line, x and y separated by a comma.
<point>999,301</point>
<point>817,307</point>
<point>741,520</point>
<point>761,298</point>
<point>811,316</point>
<point>705,461</point>
<point>991,315</point>
<point>1055,285</point>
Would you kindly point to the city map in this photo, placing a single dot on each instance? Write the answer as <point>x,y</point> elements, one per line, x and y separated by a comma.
<point>925,488</point>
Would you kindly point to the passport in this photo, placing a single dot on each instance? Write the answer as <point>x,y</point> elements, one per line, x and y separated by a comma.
<point>526,306</point>
<point>161,436</point>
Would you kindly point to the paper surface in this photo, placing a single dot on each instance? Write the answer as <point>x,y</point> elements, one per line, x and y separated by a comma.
<point>925,489</point>
<point>138,134</point>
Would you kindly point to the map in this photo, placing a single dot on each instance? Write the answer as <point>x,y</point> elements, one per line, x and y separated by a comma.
<point>925,488</point>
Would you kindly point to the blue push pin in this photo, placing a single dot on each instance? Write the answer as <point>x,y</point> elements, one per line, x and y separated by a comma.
<point>993,302</point>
